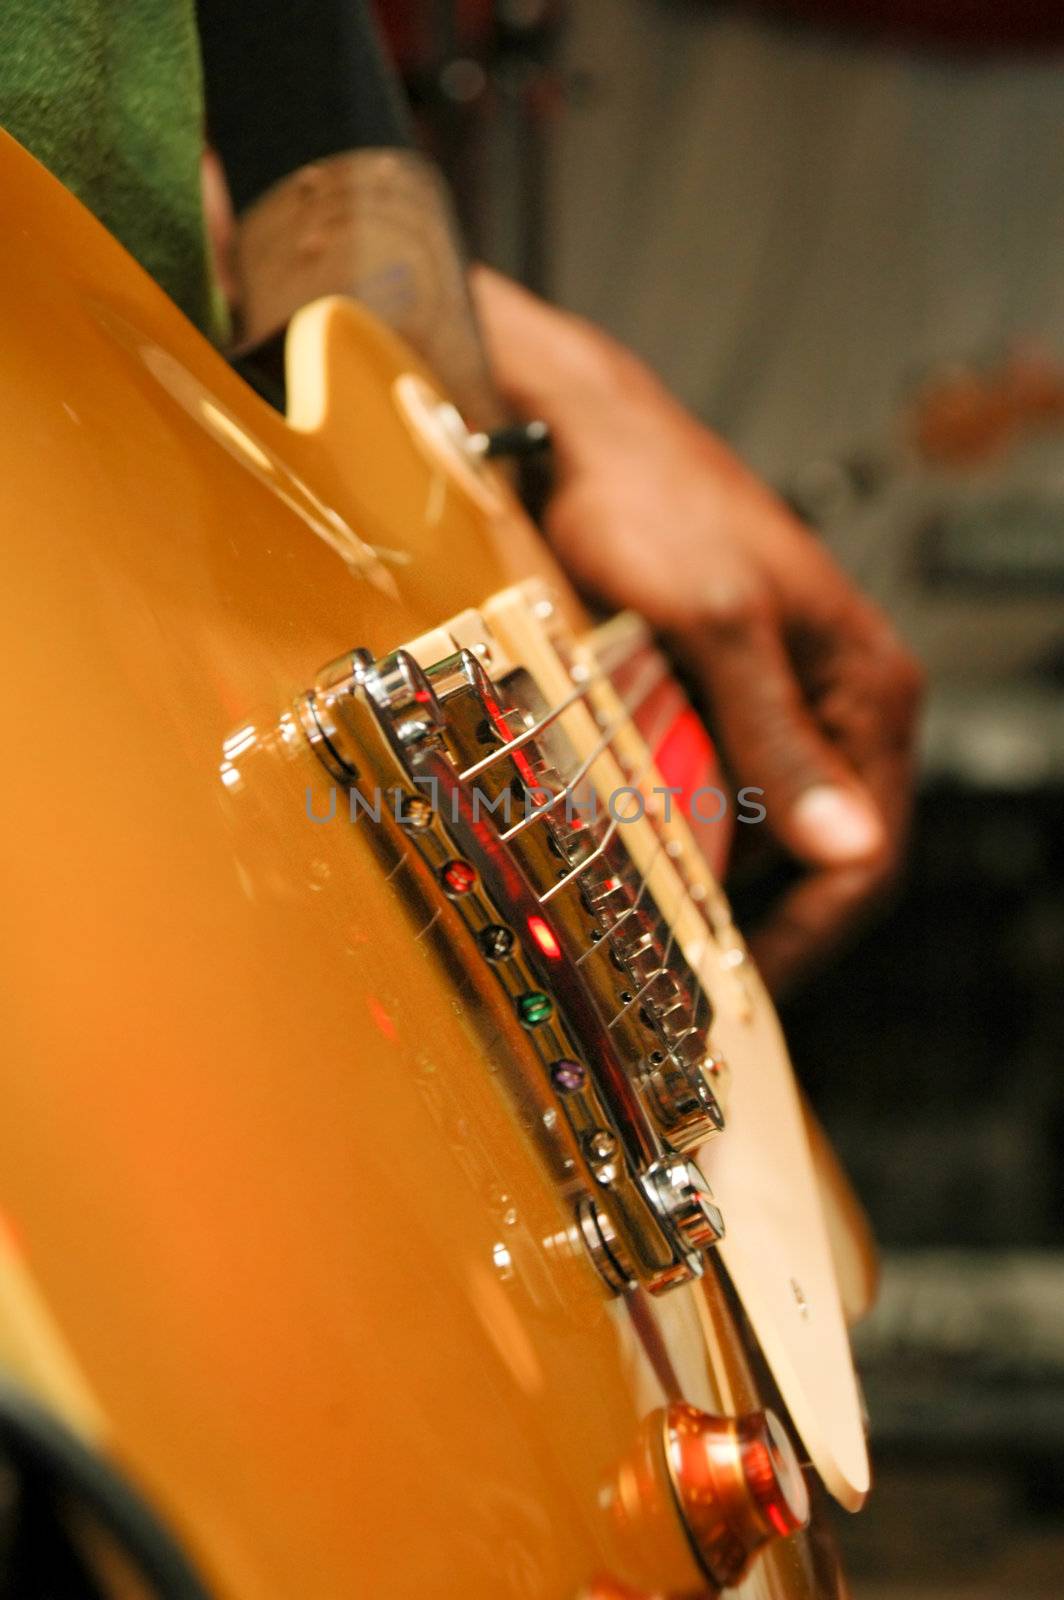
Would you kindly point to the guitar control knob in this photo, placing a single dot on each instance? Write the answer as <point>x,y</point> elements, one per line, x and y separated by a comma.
<point>681,1196</point>
<point>738,1484</point>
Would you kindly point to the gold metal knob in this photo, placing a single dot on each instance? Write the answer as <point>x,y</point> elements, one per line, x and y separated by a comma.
<point>738,1484</point>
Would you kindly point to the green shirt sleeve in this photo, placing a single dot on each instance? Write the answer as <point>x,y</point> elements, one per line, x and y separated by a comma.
<point>108,94</point>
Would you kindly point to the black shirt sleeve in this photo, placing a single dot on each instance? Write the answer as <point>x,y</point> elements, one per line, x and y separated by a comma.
<point>288,82</point>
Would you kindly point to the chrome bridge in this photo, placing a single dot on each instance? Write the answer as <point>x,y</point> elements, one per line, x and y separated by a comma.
<point>511,759</point>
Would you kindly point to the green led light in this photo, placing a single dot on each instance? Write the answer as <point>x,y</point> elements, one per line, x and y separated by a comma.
<point>534,1008</point>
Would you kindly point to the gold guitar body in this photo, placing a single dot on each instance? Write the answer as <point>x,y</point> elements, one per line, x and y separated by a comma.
<point>278,1236</point>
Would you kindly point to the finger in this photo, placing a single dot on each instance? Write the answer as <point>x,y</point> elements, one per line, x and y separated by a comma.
<point>889,777</point>
<point>815,804</point>
<point>872,716</point>
<point>813,919</point>
<point>871,713</point>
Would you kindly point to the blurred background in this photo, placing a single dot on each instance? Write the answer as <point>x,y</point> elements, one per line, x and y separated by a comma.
<point>836,228</point>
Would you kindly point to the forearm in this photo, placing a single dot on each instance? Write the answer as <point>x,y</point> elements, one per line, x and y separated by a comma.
<point>602,403</point>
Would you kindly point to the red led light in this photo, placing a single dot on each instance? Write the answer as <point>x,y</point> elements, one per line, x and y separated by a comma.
<point>544,936</point>
<point>458,877</point>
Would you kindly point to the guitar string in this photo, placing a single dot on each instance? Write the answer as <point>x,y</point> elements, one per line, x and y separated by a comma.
<point>629,708</point>
<point>599,851</point>
<point>511,745</point>
<point>686,899</point>
<point>565,793</point>
<point>628,711</point>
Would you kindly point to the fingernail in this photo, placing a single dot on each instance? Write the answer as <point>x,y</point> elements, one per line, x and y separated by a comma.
<point>835,824</point>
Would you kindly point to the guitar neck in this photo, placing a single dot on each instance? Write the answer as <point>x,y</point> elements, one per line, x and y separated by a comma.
<point>378,226</point>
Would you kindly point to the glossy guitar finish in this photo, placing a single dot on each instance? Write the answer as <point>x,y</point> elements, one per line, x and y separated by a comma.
<point>262,1141</point>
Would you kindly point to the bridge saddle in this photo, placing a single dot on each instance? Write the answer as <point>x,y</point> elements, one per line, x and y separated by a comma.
<point>511,757</point>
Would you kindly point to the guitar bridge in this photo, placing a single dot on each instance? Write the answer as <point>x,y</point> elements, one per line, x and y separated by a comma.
<point>513,759</point>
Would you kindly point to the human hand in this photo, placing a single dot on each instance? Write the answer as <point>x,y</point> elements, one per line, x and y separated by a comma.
<point>812,695</point>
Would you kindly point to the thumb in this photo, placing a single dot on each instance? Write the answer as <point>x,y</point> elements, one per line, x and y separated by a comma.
<point>833,823</point>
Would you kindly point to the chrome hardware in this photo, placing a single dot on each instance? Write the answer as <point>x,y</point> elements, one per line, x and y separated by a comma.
<point>496,941</point>
<point>738,1484</point>
<point>684,1105</point>
<point>592,973</point>
<point>401,690</point>
<point>413,811</point>
<point>328,737</point>
<point>325,738</point>
<point>603,1245</point>
<point>603,1152</point>
<point>680,1191</point>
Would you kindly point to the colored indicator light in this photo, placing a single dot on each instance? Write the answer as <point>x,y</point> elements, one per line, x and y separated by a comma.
<point>495,941</point>
<point>534,1008</point>
<point>544,936</point>
<point>414,812</point>
<point>458,877</point>
<point>568,1076</point>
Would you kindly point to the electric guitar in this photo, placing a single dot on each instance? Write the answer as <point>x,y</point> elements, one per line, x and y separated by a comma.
<point>404,1184</point>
